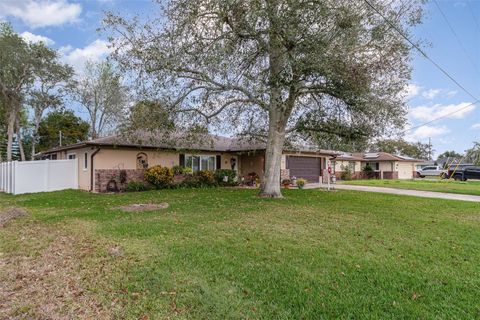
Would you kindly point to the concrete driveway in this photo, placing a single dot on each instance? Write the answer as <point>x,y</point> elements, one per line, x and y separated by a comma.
<point>414,193</point>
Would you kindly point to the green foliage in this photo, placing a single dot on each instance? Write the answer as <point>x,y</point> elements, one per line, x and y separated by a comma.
<point>135,186</point>
<point>415,150</point>
<point>473,154</point>
<point>301,182</point>
<point>160,177</point>
<point>367,168</point>
<point>149,116</point>
<point>73,129</point>
<point>200,179</point>
<point>346,173</point>
<point>231,175</point>
<point>450,154</point>
<point>181,170</point>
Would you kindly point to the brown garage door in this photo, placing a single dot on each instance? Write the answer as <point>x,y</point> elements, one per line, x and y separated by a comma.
<point>304,167</point>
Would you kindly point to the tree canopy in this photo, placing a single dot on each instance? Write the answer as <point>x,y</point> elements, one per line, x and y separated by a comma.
<point>415,150</point>
<point>272,68</point>
<point>73,129</point>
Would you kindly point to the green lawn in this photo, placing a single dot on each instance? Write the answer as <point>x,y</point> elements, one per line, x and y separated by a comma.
<point>450,186</point>
<point>227,254</point>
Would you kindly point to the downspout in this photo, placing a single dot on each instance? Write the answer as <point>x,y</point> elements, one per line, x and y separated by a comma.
<point>91,168</point>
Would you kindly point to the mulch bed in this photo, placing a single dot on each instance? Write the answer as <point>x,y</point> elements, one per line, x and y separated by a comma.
<point>140,207</point>
<point>11,214</point>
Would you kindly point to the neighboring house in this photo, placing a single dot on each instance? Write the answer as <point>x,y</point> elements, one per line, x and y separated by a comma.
<point>425,163</point>
<point>105,159</point>
<point>384,165</point>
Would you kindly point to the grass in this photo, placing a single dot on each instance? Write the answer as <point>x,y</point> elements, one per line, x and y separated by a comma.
<point>227,254</point>
<point>449,186</point>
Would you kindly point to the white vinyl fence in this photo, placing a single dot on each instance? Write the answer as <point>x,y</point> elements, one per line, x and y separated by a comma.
<point>38,176</point>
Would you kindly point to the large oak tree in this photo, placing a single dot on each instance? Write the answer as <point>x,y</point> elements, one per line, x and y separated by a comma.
<point>271,68</point>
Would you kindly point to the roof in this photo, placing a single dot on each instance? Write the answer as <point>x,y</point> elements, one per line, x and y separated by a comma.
<point>184,141</point>
<point>374,156</point>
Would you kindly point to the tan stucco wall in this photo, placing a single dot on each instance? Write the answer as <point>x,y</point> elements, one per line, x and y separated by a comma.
<point>108,158</point>
<point>344,163</point>
<point>252,163</point>
<point>405,170</point>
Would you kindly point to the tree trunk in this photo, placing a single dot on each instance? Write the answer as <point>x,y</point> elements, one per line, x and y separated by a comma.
<point>10,133</point>
<point>270,187</point>
<point>35,134</point>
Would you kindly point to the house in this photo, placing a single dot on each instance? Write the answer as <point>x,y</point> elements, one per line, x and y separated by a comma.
<point>104,159</point>
<point>384,165</point>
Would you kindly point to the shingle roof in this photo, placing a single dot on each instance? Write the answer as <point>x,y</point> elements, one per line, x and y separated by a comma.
<point>185,141</point>
<point>374,156</point>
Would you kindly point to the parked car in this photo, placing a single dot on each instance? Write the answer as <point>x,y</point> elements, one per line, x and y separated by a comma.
<point>463,174</point>
<point>431,171</point>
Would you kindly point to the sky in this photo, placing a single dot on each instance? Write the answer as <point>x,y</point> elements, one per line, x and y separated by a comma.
<point>451,39</point>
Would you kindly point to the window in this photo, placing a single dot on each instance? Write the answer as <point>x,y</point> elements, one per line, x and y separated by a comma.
<point>85,161</point>
<point>200,162</point>
<point>72,156</point>
<point>351,164</point>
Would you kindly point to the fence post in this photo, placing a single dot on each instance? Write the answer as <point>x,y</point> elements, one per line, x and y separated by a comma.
<point>14,177</point>
<point>46,176</point>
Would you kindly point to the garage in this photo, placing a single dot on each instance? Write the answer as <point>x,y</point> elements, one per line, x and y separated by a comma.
<point>308,168</point>
<point>405,170</point>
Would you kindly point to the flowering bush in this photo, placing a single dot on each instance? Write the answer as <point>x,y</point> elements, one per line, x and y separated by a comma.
<point>160,177</point>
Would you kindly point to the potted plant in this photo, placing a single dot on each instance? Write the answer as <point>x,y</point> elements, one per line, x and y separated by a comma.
<point>286,183</point>
<point>301,183</point>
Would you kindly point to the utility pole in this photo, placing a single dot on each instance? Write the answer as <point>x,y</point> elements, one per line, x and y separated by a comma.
<point>60,137</point>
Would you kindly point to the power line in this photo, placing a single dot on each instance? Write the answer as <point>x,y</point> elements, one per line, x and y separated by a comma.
<point>456,36</point>
<point>442,117</point>
<point>421,51</point>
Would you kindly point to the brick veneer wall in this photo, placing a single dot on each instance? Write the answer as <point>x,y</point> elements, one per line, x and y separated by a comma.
<point>390,175</point>
<point>103,176</point>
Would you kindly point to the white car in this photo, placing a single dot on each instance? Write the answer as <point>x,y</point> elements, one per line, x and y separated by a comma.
<point>432,171</point>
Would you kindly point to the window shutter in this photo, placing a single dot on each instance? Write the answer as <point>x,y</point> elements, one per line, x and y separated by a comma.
<point>181,160</point>
<point>219,162</point>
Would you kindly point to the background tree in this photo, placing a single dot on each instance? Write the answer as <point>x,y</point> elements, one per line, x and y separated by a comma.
<point>472,155</point>
<point>450,154</point>
<point>264,66</point>
<point>17,66</point>
<point>73,129</point>
<point>148,115</point>
<point>415,150</point>
<point>101,93</point>
<point>49,90</point>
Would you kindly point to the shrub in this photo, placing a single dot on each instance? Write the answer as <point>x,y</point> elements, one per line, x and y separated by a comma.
<point>134,186</point>
<point>367,168</point>
<point>181,170</point>
<point>200,179</point>
<point>231,175</point>
<point>346,173</point>
<point>286,182</point>
<point>301,182</point>
<point>160,177</point>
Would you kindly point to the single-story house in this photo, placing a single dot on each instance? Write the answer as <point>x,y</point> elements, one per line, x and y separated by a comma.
<point>101,160</point>
<point>384,165</point>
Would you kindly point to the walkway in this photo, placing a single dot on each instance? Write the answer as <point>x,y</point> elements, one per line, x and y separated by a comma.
<point>405,192</point>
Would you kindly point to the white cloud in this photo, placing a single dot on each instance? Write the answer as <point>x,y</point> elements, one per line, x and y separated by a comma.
<point>95,51</point>
<point>426,132</point>
<point>33,38</point>
<point>476,126</point>
<point>431,93</point>
<point>450,111</point>
<point>41,13</point>
<point>411,91</point>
